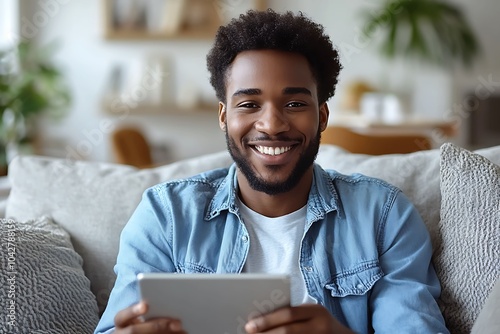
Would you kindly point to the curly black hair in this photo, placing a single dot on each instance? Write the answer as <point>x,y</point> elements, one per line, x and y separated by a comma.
<point>270,30</point>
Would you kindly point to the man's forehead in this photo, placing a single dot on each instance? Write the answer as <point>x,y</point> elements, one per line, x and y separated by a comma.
<point>258,66</point>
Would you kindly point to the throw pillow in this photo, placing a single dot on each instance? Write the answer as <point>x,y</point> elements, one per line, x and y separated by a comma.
<point>44,289</point>
<point>467,260</point>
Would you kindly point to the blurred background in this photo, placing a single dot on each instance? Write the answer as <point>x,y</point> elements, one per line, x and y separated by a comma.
<point>74,72</point>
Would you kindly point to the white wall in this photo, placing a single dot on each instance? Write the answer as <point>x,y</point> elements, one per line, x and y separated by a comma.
<point>88,58</point>
<point>9,23</point>
<point>483,79</point>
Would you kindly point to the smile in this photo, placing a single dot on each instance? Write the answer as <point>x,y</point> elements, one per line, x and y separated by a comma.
<point>272,150</point>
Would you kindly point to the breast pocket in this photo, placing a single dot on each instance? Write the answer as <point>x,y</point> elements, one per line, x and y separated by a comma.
<point>356,281</point>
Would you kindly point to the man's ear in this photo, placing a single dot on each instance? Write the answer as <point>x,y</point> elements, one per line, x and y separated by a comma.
<point>222,116</point>
<point>324,113</point>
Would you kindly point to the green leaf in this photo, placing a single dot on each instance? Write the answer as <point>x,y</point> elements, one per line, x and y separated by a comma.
<point>432,30</point>
<point>38,87</point>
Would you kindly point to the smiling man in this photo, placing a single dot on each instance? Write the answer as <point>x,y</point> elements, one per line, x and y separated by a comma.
<point>356,250</point>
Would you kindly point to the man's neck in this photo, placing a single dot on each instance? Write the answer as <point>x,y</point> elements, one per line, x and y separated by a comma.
<point>275,205</point>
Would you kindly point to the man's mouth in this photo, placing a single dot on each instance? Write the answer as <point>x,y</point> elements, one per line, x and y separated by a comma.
<point>273,150</point>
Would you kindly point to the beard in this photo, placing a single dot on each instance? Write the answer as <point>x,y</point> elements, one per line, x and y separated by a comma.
<point>305,161</point>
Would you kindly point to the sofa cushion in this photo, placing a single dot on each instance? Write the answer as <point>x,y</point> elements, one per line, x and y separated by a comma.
<point>44,287</point>
<point>488,321</point>
<point>92,201</point>
<point>466,260</point>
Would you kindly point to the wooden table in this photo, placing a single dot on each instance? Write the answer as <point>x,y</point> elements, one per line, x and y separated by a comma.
<point>359,134</point>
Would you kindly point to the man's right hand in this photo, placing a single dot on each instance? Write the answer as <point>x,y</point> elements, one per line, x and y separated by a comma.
<point>130,321</point>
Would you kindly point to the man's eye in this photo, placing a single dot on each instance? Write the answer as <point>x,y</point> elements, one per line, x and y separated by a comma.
<point>249,105</point>
<point>295,105</point>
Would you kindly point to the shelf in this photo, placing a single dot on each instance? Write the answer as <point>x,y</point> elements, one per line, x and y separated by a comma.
<point>121,109</point>
<point>207,20</point>
<point>138,35</point>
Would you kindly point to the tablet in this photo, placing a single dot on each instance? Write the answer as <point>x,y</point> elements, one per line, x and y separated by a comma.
<point>213,303</point>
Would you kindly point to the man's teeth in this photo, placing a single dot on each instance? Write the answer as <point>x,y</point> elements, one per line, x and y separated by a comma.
<point>272,150</point>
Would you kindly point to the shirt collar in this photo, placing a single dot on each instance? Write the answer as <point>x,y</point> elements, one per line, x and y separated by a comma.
<point>225,196</point>
<point>323,197</point>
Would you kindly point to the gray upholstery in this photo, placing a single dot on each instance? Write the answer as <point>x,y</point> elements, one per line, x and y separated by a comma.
<point>488,321</point>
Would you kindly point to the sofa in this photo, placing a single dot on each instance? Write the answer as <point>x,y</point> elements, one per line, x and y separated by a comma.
<point>63,220</point>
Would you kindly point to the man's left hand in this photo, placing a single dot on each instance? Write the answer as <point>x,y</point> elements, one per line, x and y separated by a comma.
<point>307,318</point>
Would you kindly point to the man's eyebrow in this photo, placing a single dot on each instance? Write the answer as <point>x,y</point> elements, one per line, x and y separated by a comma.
<point>286,91</point>
<point>247,91</point>
<point>296,90</point>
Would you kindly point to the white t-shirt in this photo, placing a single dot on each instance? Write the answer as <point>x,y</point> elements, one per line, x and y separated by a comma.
<point>275,247</point>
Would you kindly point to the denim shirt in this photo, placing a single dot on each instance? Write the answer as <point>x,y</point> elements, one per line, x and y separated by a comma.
<point>365,254</point>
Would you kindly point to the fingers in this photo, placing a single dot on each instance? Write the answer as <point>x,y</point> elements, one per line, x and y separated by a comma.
<point>294,317</point>
<point>130,315</point>
<point>129,320</point>
<point>163,326</point>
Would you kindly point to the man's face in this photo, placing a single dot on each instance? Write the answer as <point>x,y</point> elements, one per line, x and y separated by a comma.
<point>272,118</point>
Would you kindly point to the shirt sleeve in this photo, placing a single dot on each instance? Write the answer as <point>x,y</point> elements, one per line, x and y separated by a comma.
<point>144,247</point>
<point>404,299</point>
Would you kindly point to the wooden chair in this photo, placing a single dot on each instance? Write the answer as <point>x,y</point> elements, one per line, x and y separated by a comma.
<point>374,144</point>
<point>130,147</point>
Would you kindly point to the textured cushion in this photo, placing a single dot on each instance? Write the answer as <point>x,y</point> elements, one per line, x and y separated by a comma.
<point>92,201</point>
<point>44,288</point>
<point>467,261</point>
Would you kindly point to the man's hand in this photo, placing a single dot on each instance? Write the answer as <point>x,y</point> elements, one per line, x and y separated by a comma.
<point>308,318</point>
<point>129,321</point>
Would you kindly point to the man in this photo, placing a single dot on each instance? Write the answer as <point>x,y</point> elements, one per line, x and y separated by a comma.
<point>356,250</point>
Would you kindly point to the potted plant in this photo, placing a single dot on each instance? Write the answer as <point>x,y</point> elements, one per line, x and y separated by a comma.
<point>30,85</point>
<point>434,36</point>
<point>433,31</point>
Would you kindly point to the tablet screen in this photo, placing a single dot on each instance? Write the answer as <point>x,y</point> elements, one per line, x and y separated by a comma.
<point>213,303</point>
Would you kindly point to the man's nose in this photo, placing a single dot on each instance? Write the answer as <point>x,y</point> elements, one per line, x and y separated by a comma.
<point>272,120</point>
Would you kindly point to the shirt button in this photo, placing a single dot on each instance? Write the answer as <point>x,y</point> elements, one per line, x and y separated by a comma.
<point>360,286</point>
<point>244,238</point>
<point>309,269</point>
